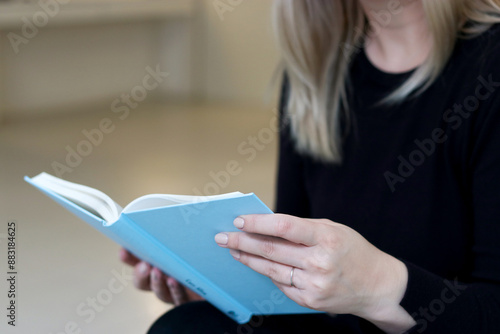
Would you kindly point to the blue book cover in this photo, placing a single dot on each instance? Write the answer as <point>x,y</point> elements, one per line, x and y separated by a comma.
<point>176,235</point>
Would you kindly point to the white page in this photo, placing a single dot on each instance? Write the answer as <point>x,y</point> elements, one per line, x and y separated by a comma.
<point>162,200</point>
<point>88,198</point>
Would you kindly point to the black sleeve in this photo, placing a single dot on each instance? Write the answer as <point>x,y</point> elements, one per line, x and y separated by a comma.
<point>449,306</point>
<point>291,198</point>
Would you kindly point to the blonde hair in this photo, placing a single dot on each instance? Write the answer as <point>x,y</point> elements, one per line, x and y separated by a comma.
<point>318,38</point>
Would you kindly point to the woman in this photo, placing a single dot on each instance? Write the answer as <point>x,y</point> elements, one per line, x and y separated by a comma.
<point>391,150</point>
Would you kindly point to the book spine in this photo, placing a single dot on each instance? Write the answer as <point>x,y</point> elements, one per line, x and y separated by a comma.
<point>152,251</point>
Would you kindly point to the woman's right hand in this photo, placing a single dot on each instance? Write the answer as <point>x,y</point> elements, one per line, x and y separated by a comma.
<point>148,278</point>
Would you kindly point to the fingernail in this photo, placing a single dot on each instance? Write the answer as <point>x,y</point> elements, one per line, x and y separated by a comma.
<point>143,268</point>
<point>235,253</point>
<point>239,222</point>
<point>171,283</point>
<point>221,238</point>
<point>155,275</point>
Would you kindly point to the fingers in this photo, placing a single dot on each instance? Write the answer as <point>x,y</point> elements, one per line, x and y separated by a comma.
<point>193,296</point>
<point>177,291</point>
<point>166,288</point>
<point>291,228</point>
<point>271,248</point>
<point>147,278</point>
<point>292,292</point>
<point>142,279</point>
<point>159,286</point>
<point>278,272</point>
<point>128,258</point>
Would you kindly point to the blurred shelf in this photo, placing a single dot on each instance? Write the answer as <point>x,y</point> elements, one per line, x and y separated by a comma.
<point>13,15</point>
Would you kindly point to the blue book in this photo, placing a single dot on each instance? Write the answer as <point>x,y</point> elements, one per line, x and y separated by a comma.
<point>176,234</point>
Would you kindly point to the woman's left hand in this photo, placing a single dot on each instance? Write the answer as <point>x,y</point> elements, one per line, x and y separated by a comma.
<point>335,269</point>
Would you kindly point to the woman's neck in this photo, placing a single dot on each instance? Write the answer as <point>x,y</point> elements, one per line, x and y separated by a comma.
<point>400,39</point>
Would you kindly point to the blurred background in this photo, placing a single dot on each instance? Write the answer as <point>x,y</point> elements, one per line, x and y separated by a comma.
<point>130,97</point>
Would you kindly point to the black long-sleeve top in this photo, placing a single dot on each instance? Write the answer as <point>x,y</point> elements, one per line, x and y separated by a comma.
<point>420,181</point>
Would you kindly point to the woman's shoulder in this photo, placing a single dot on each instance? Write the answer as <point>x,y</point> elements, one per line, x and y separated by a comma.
<point>482,49</point>
<point>474,61</point>
<point>477,72</point>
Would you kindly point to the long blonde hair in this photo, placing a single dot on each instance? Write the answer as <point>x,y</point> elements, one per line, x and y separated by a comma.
<point>318,38</point>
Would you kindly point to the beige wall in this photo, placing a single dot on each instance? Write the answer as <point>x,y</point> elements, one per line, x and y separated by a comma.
<point>241,54</point>
<point>76,66</point>
<point>212,58</point>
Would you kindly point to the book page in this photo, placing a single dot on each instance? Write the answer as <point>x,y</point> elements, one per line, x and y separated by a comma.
<point>88,198</point>
<point>161,200</point>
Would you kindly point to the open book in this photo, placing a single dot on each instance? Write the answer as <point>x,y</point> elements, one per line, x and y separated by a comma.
<point>176,234</point>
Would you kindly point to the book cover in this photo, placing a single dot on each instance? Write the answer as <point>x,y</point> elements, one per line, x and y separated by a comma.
<point>179,239</point>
